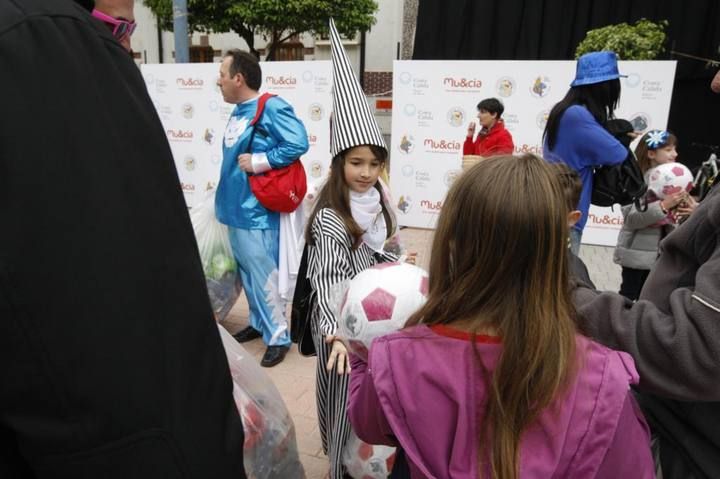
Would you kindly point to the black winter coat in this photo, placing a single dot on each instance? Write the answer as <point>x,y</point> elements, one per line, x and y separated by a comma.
<point>111,365</point>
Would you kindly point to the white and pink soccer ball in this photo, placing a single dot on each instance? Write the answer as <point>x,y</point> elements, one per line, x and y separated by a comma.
<point>367,461</point>
<point>669,178</point>
<point>379,301</point>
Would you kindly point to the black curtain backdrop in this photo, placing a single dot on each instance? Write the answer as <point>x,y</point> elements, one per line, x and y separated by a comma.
<point>551,30</point>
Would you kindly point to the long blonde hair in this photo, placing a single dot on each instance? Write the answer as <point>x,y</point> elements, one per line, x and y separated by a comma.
<point>499,261</point>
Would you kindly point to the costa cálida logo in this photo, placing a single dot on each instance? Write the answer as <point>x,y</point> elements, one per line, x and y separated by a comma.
<point>464,84</point>
<point>312,139</point>
<point>281,81</point>
<point>179,135</point>
<point>441,146</point>
<point>189,83</point>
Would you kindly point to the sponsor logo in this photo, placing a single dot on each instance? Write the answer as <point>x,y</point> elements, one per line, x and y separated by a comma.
<point>525,148</point>
<point>315,111</point>
<point>465,84</point>
<point>420,83</point>
<point>424,115</point>
<point>441,146</point>
<point>210,185</point>
<point>605,221</point>
<point>149,78</point>
<point>409,109</point>
<point>209,136</point>
<point>164,111</point>
<point>179,135</point>
<point>450,177</point>
<point>422,179</point>
<point>189,83</point>
<point>456,116</point>
<point>188,110</point>
<point>407,170</point>
<point>542,118</point>
<point>281,81</point>
<point>505,86</point>
<point>640,121</point>
<point>632,80</point>
<point>307,76</point>
<point>511,121</point>
<point>431,206</point>
<point>189,187</point>
<point>405,78</point>
<point>215,159</point>
<point>540,87</point>
<point>315,169</point>
<point>404,204</point>
<point>407,144</point>
<point>651,89</point>
<point>213,105</point>
<point>312,139</point>
<point>653,86</point>
<point>190,163</point>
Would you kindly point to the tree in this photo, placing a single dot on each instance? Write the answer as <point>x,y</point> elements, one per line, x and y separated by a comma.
<point>276,20</point>
<point>642,41</point>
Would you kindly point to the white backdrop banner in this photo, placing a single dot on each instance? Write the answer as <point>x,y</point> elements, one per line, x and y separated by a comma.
<point>433,102</point>
<point>194,115</point>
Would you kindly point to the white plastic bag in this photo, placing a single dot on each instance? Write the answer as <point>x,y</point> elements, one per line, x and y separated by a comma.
<point>367,461</point>
<point>270,450</point>
<point>221,274</point>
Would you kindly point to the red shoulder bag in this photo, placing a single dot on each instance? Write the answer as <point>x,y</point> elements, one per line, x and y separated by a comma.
<point>279,189</point>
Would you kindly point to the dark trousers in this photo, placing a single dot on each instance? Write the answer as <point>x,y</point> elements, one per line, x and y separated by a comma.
<point>632,282</point>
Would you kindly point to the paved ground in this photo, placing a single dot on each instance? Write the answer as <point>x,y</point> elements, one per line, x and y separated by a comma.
<point>295,377</point>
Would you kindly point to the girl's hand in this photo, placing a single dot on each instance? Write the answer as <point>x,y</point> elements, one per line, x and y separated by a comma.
<point>686,207</point>
<point>471,129</point>
<point>673,200</point>
<point>411,258</point>
<point>339,355</point>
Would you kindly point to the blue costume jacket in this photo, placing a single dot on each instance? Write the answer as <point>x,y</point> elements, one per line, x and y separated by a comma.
<point>280,138</point>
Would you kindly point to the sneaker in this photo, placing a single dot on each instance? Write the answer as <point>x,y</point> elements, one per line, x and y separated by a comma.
<point>274,355</point>
<point>247,334</point>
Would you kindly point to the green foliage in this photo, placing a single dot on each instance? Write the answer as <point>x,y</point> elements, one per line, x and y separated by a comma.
<point>642,41</point>
<point>276,20</point>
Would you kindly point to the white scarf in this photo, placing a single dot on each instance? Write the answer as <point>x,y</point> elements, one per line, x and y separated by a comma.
<point>367,212</point>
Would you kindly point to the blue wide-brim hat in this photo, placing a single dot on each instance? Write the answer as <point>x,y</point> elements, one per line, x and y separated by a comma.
<point>596,67</point>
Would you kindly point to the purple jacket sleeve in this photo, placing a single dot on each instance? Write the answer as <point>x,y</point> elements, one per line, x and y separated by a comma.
<point>629,453</point>
<point>364,409</point>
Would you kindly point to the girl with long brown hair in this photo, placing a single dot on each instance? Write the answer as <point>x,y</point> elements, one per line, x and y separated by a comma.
<point>490,378</point>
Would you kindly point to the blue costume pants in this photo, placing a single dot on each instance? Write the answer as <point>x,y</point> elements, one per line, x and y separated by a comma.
<point>256,252</point>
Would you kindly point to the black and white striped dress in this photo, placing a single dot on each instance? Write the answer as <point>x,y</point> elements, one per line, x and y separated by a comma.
<point>332,262</point>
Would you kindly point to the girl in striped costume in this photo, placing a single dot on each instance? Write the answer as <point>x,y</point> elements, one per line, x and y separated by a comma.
<point>345,233</point>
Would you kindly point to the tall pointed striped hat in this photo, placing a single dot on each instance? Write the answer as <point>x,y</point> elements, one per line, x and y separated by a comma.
<point>351,123</point>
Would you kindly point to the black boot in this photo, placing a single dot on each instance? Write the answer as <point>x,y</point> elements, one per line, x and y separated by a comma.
<point>274,355</point>
<point>247,334</point>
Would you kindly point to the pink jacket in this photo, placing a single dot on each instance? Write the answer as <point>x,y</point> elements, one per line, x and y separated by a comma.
<point>418,391</point>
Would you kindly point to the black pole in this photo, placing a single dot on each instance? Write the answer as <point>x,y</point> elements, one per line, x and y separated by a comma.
<point>160,42</point>
<point>362,60</point>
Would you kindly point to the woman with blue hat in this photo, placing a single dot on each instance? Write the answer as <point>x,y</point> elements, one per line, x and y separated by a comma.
<point>575,133</point>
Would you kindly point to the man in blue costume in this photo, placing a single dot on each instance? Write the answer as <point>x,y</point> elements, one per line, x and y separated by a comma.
<point>279,139</point>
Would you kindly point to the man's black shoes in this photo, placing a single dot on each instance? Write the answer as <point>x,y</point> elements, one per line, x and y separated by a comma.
<point>274,355</point>
<point>247,334</point>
